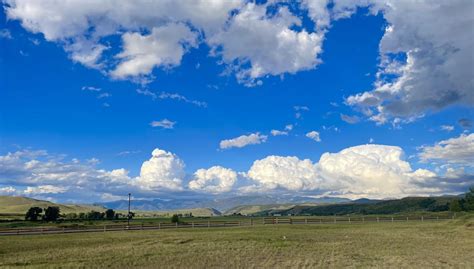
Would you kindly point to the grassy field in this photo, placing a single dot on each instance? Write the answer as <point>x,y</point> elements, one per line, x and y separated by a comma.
<point>412,244</point>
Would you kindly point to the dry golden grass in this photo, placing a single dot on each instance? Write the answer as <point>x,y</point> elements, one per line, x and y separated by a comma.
<point>387,245</point>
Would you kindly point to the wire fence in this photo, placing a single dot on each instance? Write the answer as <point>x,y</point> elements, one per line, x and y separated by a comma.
<point>245,222</point>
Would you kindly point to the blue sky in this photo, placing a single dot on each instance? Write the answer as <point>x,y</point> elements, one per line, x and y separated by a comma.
<point>79,110</point>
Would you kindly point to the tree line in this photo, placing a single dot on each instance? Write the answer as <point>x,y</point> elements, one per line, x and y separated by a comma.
<point>463,204</point>
<point>53,213</point>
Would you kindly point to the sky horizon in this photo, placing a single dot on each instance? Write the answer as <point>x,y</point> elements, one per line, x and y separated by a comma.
<point>354,99</point>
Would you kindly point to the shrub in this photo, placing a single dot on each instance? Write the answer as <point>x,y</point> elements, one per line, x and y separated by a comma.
<point>175,218</point>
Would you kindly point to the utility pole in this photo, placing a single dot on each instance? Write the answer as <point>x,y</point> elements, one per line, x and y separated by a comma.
<point>128,216</point>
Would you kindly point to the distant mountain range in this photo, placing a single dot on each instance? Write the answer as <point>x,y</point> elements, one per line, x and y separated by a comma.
<point>257,205</point>
<point>222,204</point>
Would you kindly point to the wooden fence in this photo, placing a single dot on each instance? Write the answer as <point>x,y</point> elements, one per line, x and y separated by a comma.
<point>215,224</point>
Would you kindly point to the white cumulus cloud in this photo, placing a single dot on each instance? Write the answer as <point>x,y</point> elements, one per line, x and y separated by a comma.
<point>243,140</point>
<point>266,43</point>
<point>457,150</point>
<point>163,47</point>
<point>215,180</point>
<point>289,173</point>
<point>163,171</point>
<point>426,57</point>
<point>314,136</point>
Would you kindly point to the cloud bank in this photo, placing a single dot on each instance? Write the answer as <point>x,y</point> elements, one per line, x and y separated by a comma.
<point>372,171</point>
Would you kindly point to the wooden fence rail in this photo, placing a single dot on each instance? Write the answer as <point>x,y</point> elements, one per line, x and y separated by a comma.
<point>216,224</point>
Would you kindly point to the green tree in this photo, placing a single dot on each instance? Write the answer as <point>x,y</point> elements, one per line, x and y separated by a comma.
<point>468,201</point>
<point>71,216</point>
<point>175,218</point>
<point>51,213</point>
<point>109,214</point>
<point>33,213</point>
<point>94,215</point>
<point>455,206</point>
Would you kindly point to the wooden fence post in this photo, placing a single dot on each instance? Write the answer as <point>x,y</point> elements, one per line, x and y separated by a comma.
<point>377,219</point>
<point>305,221</point>
<point>422,218</point>
<point>349,220</point>
<point>176,224</point>
<point>159,225</point>
<point>392,219</point>
<point>192,223</point>
<point>105,228</point>
<point>208,224</point>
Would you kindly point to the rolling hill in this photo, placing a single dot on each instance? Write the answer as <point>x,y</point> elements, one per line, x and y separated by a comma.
<point>404,205</point>
<point>16,205</point>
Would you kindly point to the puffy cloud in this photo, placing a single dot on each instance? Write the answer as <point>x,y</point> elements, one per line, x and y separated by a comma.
<point>163,47</point>
<point>288,173</point>
<point>314,136</point>
<point>163,171</point>
<point>458,150</point>
<point>36,172</point>
<point>318,12</point>
<point>256,44</point>
<point>243,140</point>
<point>426,57</point>
<point>373,171</point>
<point>165,123</point>
<point>367,171</point>
<point>215,180</point>
<point>80,27</point>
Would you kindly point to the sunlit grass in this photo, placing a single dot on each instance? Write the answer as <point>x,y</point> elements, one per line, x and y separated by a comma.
<point>413,244</point>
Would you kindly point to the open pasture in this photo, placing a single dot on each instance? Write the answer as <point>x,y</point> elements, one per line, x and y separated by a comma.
<point>387,244</point>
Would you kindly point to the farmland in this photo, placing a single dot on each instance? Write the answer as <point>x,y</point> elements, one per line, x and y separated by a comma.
<point>400,244</point>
